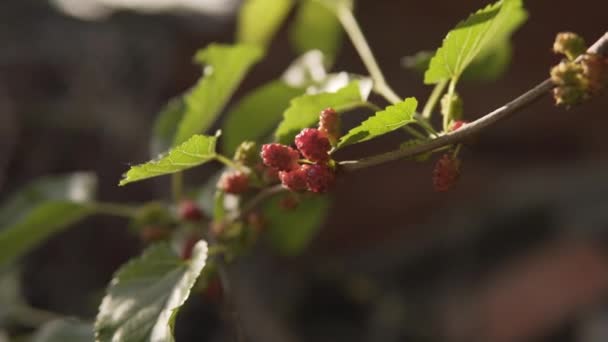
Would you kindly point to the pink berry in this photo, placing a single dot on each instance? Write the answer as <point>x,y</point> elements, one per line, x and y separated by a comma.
<point>234,182</point>
<point>329,123</point>
<point>456,125</point>
<point>446,173</point>
<point>189,211</point>
<point>319,178</point>
<point>294,180</point>
<point>313,144</point>
<point>281,157</point>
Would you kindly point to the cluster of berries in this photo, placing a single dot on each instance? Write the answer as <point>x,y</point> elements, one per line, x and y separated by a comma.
<point>315,173</point>
<point>576,81</point>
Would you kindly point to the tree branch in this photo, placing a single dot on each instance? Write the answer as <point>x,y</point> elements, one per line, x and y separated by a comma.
<point>472,128</point>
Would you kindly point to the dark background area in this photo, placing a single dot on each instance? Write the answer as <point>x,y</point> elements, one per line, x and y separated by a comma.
<point>514,253</point>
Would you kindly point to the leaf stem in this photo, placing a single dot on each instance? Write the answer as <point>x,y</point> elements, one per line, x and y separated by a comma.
<point>228,162</point>
<point>177,186</point>
<point>431,103</point>
<point>348,21</point>
<point>447,116</point>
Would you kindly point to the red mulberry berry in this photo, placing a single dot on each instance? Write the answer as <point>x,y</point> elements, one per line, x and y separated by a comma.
<point>446,173</point>
<point>319,178</point>
<point>234,182</point>
<point>456,125</point>
<point>188,211</point>
<point>294,180</point>
<point>330,124</point>
<point>281,157</point>
<point>313,144</point>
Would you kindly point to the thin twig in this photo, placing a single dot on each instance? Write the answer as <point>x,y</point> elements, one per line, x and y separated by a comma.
<point>473,128</point>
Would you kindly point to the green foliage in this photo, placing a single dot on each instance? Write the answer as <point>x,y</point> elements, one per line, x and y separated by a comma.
<point>64,330</point>
<point>225,67</point>
<point>74,187</point>
<point>316,27</point>
<point>42,209</point>
<point>145,295</point>
<point>290,231</point>
<point>304,110</point>
<point>475,37</point>
<point>198,150</point>
<point>165,126</point>
<point>388,120</point>
<point>256,114</point>
<point>487,67</point>
<point>259,20</point>
<point>39,224</point>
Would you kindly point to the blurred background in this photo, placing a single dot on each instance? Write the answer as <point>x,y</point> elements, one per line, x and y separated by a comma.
<point>515,252</point>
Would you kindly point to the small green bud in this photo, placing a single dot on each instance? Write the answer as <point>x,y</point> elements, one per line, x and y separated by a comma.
<point>452,106</point>
<point>247,153</point>
<point>569,44</point>
<point>568,73</point>
<point>569,95</point>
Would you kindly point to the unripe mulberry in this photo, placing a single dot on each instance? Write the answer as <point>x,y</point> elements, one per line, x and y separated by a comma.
<point>246,153</point>
<point>568,73</point>
<point>569,95</point>
<point>319,178</point>
<point>234,182</point>
<point>446,173</point>
<point>154,233</point>
<point>313,144</point>
<point>330,124</point>
<point>189,211</point>
<point>569,44</point>
<point>294,180</point>
<point>281,157</point>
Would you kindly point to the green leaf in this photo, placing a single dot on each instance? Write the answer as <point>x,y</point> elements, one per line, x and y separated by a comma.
<point>485,67</point>
<point>388,120</point>
<point>64,330</point>
<point>259,20</point>
<point>146,294</point>
<point>316,27</point>
<point>166,124</point>
<point>304,110</point>
<point>490,66</point>
<point>38,225</point>
<point>75,187</point>
<point>198,150</point>
<point>256,114</point>
<point>41,209</point>
<point>225,67</point>
<point>290,231</point>
<point>475,36</point>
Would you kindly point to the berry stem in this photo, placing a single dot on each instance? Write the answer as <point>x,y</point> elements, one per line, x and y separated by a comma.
<point>501,113</point>
<point>348,21</point>
<point>226,161</point>
<point>177,186</point>
<point>431,103</point>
